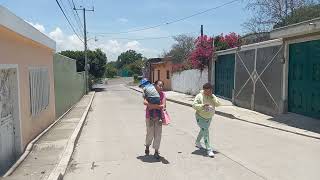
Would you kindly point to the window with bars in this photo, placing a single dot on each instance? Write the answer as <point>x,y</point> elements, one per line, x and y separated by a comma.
<point>39,89</point>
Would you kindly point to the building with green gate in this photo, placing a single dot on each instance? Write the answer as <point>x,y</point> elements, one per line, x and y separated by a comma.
<point>276,76</point>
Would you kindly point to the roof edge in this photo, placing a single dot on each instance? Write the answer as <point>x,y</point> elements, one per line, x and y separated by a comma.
<point>18,25</point>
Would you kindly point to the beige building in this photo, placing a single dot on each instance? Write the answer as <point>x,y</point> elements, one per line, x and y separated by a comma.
<point>27,102</point>
<point>162,71</point>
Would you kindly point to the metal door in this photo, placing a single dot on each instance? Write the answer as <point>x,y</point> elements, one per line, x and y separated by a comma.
<point>304,78</point>
<point>224,75</point>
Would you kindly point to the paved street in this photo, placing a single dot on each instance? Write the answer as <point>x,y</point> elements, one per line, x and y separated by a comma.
<point>111,146</point>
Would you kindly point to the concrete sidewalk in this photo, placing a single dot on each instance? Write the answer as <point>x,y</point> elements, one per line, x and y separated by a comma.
<point>289,122</point>
<point>50,149</point>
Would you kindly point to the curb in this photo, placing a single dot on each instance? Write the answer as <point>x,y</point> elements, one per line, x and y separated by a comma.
<point>60,169</point>
<point>220,113</point>
<point>31,144</point>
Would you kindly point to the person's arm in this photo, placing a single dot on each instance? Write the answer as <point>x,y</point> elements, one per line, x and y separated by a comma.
<point>197,103</point>
<point>164,101</point>
<point>151,106</point>
<point>216,101</point>
<point>145,102</point>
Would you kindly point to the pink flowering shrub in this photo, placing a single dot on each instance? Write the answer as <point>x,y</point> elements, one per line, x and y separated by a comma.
<point>230,40</point>
<point>203,52</point>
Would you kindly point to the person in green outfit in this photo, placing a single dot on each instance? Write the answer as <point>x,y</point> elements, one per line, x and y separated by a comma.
<point>204,104</point>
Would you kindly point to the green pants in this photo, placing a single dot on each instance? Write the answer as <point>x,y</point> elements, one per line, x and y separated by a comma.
<point>204,125</point>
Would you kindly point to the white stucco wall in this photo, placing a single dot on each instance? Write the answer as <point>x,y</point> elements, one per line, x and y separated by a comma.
<point>189,81</point>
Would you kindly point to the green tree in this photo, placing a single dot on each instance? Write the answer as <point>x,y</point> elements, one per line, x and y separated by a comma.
<point>77,55</point>
<point>136,67</point>
<point>96,59</point>
<point>127,58</point>
<point>111,70</point>
<point>97,62</point>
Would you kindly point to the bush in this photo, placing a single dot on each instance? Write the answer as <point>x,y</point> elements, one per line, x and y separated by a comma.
<point>200,56</point>
<point>111,72</point>
<point>227,41</point>
<point>135,76</point>
<point>91,81</point>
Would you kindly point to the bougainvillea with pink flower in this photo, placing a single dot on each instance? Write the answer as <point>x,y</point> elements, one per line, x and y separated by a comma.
<point>203,52</point>
<point>230,40</point>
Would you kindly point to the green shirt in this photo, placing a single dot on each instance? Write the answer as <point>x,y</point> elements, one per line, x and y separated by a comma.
<point>200,100</point>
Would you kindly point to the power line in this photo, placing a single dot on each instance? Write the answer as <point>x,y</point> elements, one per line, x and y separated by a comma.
<point>74,6</point>
<point>77,19</point>
<point>68,21</point>
<point>69,17</point>
<point>151,38</point>
<point>173,21</point>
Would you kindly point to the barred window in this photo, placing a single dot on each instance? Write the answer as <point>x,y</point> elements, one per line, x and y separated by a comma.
<point>39,89</point>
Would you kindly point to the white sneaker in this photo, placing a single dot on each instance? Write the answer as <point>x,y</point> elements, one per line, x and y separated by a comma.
<point>198,145</point>
<point>210,153</point>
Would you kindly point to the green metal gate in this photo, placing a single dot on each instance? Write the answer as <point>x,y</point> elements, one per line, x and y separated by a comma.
<point>304,78</point>
<point>224,75</point>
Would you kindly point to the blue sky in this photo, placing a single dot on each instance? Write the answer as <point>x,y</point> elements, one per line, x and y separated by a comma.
<point>114,16</point>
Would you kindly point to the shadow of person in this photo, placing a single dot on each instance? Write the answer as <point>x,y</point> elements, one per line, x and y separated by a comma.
<point>164,160</point>
<point>152,159</point>
<point>202,152</point>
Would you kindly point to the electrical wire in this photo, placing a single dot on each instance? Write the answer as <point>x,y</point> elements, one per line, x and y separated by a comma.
<point>68,21</point>
<point>173,21</point>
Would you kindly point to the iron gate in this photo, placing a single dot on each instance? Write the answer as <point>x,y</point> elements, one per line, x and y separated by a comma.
<point>258,77</point>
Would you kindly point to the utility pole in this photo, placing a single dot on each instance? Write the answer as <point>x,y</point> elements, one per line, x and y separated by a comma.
<point>201,30</point>
<point>85,44</point>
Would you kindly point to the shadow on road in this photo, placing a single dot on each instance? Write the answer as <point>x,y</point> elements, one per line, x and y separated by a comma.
<point>202,152</point>
<point>98,87</point>
<point>290,119</point>
<point>151,159</point>
<point>227,115</point>
<point>298,121</point>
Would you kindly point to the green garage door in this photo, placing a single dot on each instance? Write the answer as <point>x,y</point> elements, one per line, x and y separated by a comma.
<point>304,78</point>
<point>224,75</point>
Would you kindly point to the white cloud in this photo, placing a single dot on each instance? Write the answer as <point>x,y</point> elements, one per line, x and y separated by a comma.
<point>112,48</point>
<point>74,42</point>
<point>57,35</point>
<point>134,45</point>
<point>123,20</point>
<point>38,26</point>
<point>66,42</point>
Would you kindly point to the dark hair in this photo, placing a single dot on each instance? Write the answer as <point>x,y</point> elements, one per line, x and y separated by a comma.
<point>156,83</point>
<point>207,86</point>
